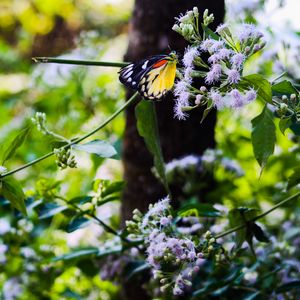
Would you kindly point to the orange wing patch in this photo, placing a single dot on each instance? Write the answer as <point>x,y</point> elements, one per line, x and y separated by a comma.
<point>160,63</point>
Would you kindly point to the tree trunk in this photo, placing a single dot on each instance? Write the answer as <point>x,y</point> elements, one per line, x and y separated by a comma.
<point>151,33</point>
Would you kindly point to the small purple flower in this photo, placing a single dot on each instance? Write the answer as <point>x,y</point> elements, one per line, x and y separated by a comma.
<point>233,76</point>
<point>188,74</point>
<point>206,44</point>
<point>212,45</point>
<point>217,99</point>
<point>177,291</point>
<point>164,221</point>
<point>214,58</point>
<point>189,56</point>
<point>180,86</point>
<point>222,28</point>
<point>237,98</point>
<point>179,114</point>
<point>249,31</point>
<point>237,60</point>
<point>224,53</point>
<point>217,45</point>
<point>250,95</point>
<point>214,74</point>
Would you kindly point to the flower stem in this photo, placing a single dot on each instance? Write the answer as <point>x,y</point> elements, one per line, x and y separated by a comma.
<point>239,227</point>
<point>78,62</point>
<point>76,141</point>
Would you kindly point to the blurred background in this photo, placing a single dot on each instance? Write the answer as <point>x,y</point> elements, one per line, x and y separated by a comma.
<point>75,100</point>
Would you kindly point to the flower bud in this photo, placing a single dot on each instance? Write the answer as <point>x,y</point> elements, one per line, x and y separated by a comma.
<point>207,235</point>
<point>247,50</point>
<point>177,28</point>
<point>198,99</point>
<point>212,241</point>
<point>196,11</point>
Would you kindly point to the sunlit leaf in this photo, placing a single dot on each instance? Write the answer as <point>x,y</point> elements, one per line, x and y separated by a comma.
<point>202,210</point>
<point>78,254</point>
<point>16,143</point>
<point>98,147</point>
<point>51,209</point>
<point>263,136</point>
<point>78,223</point>
<point>284,88</point>
<point>294,179</point>
<point>12,191</point>
<point>147,128</point>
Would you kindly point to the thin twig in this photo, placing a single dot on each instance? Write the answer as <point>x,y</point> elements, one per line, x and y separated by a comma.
<point>79,62</point>
<point>258,217</point>
<point>76,141</point>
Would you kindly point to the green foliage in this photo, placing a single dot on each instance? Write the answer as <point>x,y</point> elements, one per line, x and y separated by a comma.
<point>263,136</point>
<point>10,150</point>
<point>12,191</point>
<point>147,128</point>
<point>194,208</point>
<point>100,148</point>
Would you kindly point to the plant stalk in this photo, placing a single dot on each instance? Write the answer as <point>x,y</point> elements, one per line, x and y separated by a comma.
<point>79,62</point>
<point>258,217</point>
<point>76,141</point>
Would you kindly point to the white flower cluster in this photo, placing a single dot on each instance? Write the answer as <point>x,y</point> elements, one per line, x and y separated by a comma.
<point>169,249</point>
<point>223,69</point>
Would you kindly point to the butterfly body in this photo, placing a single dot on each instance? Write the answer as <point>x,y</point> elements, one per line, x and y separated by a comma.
<point>152,77</point>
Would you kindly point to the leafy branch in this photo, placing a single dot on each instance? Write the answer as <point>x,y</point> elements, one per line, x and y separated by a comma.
<point>239,227</point>
<point>75,141</point>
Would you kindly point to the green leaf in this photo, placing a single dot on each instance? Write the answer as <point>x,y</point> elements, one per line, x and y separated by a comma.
<point>76,254</point>
<point>260,84</point>
<point>202,210</point>
<point>81,199</point>
<point>50,210</point>
<point>112,187</point>
<point>98,147</point>
<point>215,285</point>
<point>16,143</point>
<point>295,127</point>
<point>12,191</point>
<point>293,285</point>
<point>263,136</point>
<point>78,223</point>
<point>108,251</point>
<point>294,179</point>
<point>258,233</point>
<point>135,267</point>
<point>240,216</point>
<point>284,88</point>
<point>209,32</point>
<point>284,124</point>
<point>252,295</point>
<point>147,128</point>
<point>236,219</point>
<point>207,110</point>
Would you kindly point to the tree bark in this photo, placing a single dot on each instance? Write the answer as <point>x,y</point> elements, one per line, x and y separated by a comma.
<point>151,33</point>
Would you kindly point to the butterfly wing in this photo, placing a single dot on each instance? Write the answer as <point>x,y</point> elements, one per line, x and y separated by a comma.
<point>152,77</point>
<point>159,79</point>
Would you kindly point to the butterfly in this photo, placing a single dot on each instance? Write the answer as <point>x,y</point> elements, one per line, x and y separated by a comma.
<point>152,77</point>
